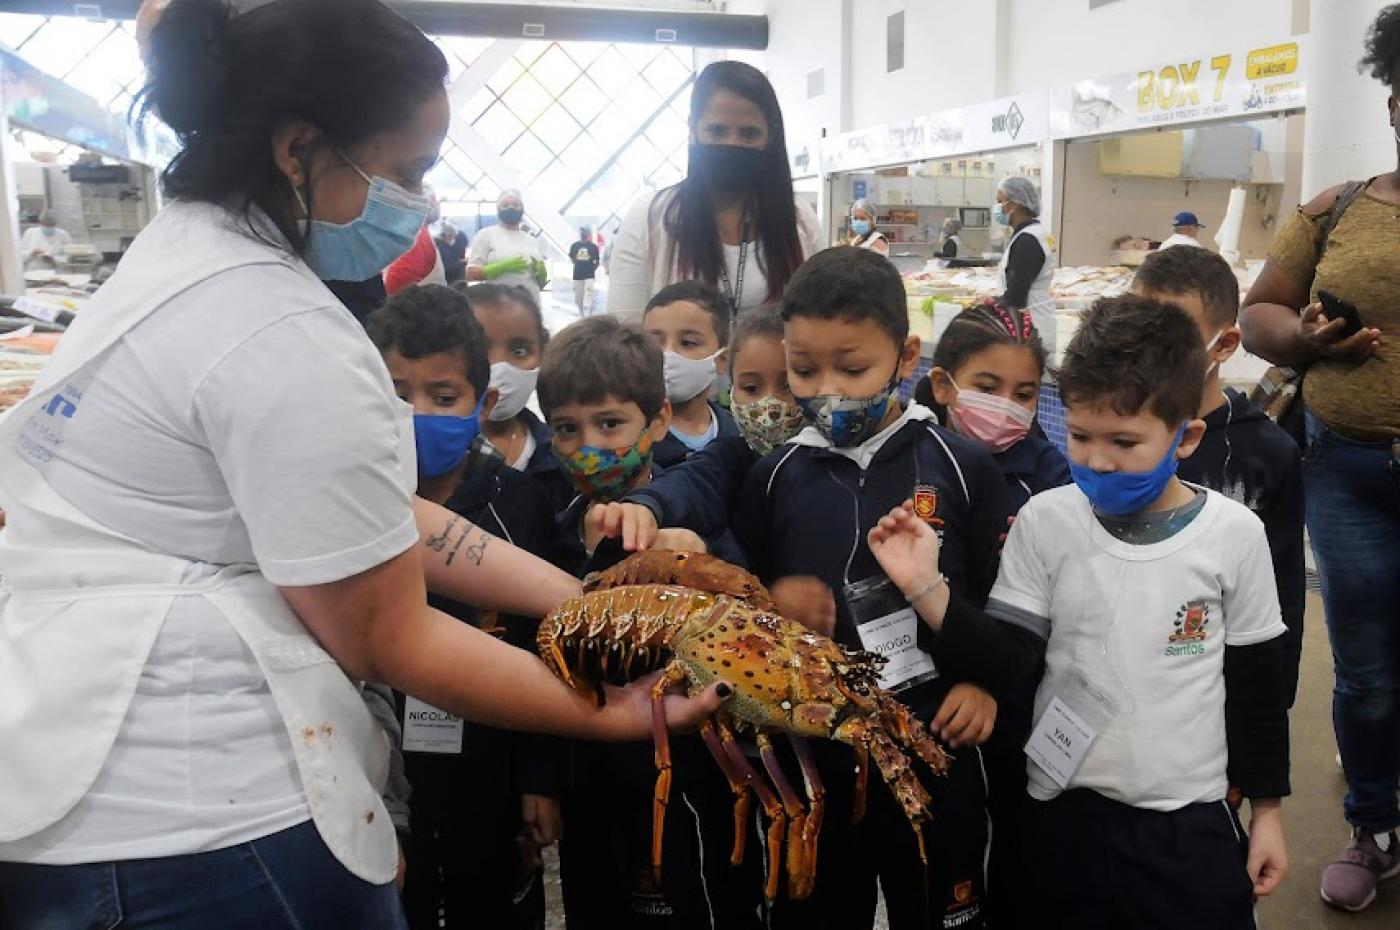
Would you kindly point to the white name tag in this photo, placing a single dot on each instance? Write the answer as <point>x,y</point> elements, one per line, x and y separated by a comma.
<point>428,729</point>
<point>1059,742</point>
<point>38,309</point>
<point>896,637</point>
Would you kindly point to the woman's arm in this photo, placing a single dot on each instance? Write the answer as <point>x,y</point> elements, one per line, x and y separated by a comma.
<point>629,285</point>
<point>468,564</point>
<point>378,627</point>
<point>1279,324</point>
<point>1026,259</point>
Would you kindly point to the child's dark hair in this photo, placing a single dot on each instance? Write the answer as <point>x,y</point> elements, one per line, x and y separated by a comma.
<point>1186,270</point>
<point>703,296</point>
<point>224,80</point>
<point>1382,60</point>
<point>431,318</point>
<point>987,324</point>
<point>493,295</point>
<point>598,358</point>
<point>847,283</point>
<point>765,321</point>
<point>1134,355</point>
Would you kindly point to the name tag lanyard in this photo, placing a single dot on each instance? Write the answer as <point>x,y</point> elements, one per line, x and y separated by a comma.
<point>736,292</point>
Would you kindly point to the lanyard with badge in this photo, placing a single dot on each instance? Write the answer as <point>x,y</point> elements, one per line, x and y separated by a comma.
<point>887,623</point>
<point>736,292</point>
<point>1085,702</point>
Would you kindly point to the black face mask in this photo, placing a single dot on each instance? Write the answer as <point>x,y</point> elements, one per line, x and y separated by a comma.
<point>727,168</point>
<point>510,216</point>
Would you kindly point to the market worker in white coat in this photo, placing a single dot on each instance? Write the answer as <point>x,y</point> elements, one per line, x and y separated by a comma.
<point>734,223</point>
<point>210,533</point>
<point>1028,264</point>
<point>41,245</point>
<point>863,232</point>
<point>505,253</point>
<point>1186,230</point>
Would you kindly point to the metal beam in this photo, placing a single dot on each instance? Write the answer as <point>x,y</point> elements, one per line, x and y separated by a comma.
<point>510,21</point>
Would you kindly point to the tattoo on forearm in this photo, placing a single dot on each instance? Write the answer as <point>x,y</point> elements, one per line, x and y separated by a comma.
<point>436,543</point>
<point>477,551</point>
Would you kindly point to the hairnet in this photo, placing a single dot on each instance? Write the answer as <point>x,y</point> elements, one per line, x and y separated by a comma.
<point>1020,190</point>
<point>864,206</point>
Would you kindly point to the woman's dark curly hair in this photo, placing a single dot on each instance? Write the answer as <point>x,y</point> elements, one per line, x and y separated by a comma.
<point>1382,58</point>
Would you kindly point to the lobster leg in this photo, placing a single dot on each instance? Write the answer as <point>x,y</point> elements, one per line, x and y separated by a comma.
<point>908,730</point>
<point>777,816</point>
<point>796,813</point>
<point>674,675</point>
<point>862,784</point>
<point>737,784</point>
<point>811,829</point>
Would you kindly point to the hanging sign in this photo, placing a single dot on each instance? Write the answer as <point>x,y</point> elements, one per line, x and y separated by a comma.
<point>982,127</point>
<point>1225,84</point>
<point>36,101</point>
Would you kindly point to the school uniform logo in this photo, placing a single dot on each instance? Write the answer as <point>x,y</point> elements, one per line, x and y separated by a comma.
<point>926,501</point>
<point>1189,629</point>
<point>965,909</point>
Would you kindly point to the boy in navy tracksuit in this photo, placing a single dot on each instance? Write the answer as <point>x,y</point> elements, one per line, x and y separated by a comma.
<point>690,321</point>
<point>603,394</point>
<point>806,509</point>
<point>1243,455</point>
<point>480,795</point>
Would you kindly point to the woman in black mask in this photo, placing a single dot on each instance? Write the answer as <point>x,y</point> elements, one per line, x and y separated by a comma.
<point>733,222</point>
<point>504,253</point>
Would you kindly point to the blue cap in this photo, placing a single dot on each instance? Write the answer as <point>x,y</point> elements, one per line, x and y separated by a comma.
<point>1187,219</point>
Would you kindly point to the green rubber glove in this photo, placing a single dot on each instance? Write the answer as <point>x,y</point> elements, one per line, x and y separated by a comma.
<point>541,272</point>
<point>516,265</point>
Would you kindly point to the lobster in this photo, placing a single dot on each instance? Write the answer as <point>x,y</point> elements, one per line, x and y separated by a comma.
<point>698,618</point>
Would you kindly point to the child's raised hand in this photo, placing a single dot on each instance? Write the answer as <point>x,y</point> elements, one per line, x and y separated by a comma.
<point>906,548</point>
<point>806,600</point>
<point>1268,854</point>
<point>633,522</point>
<point>966,716</point>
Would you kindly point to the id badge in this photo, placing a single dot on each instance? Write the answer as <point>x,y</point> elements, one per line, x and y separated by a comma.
<point>428,729</point>
<point>887,625</point>
<point>1078,711</point>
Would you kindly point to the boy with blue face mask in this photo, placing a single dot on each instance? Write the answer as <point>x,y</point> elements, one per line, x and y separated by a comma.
<point>484,801</point>
<point>1152,604</point>
<point>805,510</point>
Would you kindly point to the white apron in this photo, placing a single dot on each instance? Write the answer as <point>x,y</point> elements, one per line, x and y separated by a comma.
<point>1038,301</point>
<point>81,604</point>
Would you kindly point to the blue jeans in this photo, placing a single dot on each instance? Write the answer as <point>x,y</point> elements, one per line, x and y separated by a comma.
<point>286,881</point>
<point>1353,515</point>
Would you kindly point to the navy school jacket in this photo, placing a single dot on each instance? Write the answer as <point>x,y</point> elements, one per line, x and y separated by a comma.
<point>545,467</point>
<point>1033,465</point>
<point>671,451</point>
<point>1250,459</point>
<point>806,511</point>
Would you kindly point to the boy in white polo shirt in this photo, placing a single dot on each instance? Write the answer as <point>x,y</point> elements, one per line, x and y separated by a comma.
<point>1154,605</point>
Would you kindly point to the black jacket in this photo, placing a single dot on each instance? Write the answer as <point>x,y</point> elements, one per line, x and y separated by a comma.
<point>671,451</point>
<point>1248,458</point>
<point>1033,465</point>
<point>806,511</point>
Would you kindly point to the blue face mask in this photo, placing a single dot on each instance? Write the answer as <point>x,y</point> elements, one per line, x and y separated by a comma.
<point>443,441</point>
<point>1000,216</point>
<point>1115,493</point>
<point>860,227</point>
<point>365,246</point>
<point>847,421</point>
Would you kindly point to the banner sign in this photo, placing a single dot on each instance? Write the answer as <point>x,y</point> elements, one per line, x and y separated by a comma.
<point>39,102</point>
<point>1245,82</point>
<point>983,127</point>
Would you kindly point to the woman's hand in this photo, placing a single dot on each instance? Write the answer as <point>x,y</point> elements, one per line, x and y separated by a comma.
<point>626,712</point>
<point>1268,855</point>
<point>1322,336</point>
<point>906,547</point>
<point>806,600</point>
<point>966,716</point>
<point>633,522</point>
<point>540,819</point>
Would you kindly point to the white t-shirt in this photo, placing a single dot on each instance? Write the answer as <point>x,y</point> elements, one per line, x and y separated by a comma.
<point>754,292</point>
<point>231,431</point>
<point>47,241</point>
<point>1176,239</point>
<point>495,243</point>
<point>1149,625</point>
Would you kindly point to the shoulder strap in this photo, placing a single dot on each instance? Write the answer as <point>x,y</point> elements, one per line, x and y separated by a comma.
<point>1350,191</point>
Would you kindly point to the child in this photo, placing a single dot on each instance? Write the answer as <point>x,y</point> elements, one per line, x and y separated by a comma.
<point>475,788</point>
<point>985,383</point>
<point>604,397</point>
<point>1243,455</point>
<point>690,322</point>
<point>1153,604</point>
<point>515,340</point>
<point>805,510</point>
